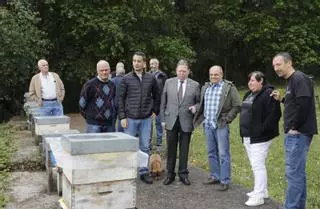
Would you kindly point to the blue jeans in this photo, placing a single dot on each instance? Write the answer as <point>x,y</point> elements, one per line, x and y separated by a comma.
<point>296,148</point>
<point>51,108</point>
<point>141,127</point>
<point>159,129</point>
<point>218,152</point>
<point>91,128</point>
<point>157,121</point>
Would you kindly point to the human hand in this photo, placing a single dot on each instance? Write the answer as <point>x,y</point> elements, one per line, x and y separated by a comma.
<point>124,123</point>
<point>192,109</point>
<point>163,124</point>
<point>276,95</point>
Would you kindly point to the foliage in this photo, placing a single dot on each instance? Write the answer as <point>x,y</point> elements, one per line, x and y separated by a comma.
<point>6,149</point>
<point>243,35</point>
<point>112,30</point>
<point>21,44</point>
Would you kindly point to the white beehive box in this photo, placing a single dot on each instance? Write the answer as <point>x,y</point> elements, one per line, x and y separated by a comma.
<point>105,179</point>
<point>45,124</point>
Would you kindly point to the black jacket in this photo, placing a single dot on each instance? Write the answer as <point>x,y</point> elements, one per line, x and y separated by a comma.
<point>265,116</point>
<point>138,99</point>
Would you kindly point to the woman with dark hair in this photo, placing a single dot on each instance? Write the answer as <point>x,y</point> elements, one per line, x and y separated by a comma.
<point>259,119</point>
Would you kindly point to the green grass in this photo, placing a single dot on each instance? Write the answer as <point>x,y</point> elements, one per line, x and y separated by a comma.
<point>241,170</point>
<point>6,149</point>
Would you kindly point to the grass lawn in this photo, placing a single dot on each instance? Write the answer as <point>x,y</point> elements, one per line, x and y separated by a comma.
<point>6,148</point>
<point>240,167</point>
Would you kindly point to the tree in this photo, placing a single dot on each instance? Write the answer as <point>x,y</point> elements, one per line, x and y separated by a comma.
<point>21,45</point>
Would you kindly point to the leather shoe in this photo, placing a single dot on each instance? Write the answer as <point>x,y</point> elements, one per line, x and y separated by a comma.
<point>146,178</point>
<point>185,180</point>
<point>211,181</point>
<point>168,180</point>
<point>223,187</point>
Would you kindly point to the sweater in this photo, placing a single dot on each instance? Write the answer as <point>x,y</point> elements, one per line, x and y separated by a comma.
<point>96,102</point>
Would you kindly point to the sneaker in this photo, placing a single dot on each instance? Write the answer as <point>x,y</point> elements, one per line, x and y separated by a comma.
<point>146,178</point>
<point>249,194</point>
<point>252,193</point>
<point>255,201</point>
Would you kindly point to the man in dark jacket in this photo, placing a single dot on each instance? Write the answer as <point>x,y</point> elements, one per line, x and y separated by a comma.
<point>139,98</point>
<point>120,71</point>
<point>161,78</point>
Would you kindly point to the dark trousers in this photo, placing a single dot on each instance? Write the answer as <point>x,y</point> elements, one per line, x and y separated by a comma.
<point>173,137</point>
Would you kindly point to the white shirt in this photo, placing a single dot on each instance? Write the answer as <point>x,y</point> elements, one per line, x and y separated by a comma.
<point>184,84</point>
<point>48,86</point>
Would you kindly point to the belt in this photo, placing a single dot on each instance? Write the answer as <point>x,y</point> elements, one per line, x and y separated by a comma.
<point>48,100</point>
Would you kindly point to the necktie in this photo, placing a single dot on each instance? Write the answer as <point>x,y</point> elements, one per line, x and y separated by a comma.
<point>180,92</point>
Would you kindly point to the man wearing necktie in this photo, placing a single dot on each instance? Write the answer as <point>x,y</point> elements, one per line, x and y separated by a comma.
<point>220,104</point>
<point>179,102</point>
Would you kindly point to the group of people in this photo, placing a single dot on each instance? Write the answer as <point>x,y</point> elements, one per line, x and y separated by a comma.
<point>179,106</point>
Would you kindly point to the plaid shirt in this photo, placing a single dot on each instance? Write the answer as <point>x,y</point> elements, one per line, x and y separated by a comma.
<point>211,103</point>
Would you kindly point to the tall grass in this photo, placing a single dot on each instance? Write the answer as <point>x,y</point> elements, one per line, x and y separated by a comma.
<point>240,166</point>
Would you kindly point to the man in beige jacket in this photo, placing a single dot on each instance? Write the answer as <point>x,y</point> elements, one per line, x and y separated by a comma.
<point>47,89</point>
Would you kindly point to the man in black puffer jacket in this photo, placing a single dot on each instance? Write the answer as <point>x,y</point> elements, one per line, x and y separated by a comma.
<point>139,97</point>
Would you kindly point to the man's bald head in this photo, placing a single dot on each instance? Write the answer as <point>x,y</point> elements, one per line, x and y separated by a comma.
<point>215,74</point>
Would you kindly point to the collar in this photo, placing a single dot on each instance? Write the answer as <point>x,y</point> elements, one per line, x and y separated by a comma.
<point>102,80</point>
<point>216,84</point>
<point>184,81</point>
<point>45,75</point>
<point>134,72</point>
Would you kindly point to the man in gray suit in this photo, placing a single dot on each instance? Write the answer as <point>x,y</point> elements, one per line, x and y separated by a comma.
<point>180,97</point>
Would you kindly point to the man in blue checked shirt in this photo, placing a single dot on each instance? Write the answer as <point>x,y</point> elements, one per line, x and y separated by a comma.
<point>219,105</point>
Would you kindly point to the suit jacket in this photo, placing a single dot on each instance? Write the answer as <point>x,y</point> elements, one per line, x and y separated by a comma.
<point>170,108</point>
<point>229,105</point>
<point>35,88</point>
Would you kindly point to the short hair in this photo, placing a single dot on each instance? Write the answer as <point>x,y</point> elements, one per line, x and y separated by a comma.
<point>103,62</point>
<point>183,62</point>
<point>218,67</point>
<point>41,61</point>
<point>258,75</point>
<point>154,59</point>
<point>120,69</point>
<point>141,54</point>
<point>285,55</point>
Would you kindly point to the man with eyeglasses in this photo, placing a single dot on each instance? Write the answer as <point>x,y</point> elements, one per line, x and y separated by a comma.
<point>97,101</point>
